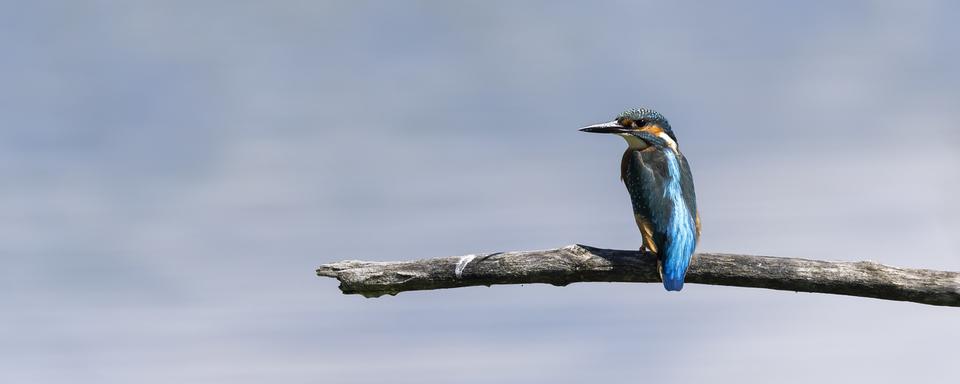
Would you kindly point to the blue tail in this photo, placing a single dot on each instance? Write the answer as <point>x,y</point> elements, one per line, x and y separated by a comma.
<point>673,276</point>
<point>676,259</point>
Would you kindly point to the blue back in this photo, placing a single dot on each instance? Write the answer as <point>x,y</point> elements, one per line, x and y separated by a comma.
<point>681,239</point>
<point>661,190</point>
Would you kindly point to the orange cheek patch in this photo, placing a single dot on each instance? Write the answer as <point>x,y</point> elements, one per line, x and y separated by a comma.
<point>657,131</point>
<point>653,129</point>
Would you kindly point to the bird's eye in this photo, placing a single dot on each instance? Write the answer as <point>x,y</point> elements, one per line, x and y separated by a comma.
<point>640,123</point>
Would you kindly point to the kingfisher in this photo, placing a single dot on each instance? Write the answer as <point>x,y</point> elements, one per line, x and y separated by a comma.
<point>658,179</point>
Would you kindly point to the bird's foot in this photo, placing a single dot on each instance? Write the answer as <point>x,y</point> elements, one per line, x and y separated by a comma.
<point>660,268</point>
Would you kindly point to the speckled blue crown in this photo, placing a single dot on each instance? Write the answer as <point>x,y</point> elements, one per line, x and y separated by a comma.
<point>649,115</point>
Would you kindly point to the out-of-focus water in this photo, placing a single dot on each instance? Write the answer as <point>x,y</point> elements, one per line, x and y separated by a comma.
<point>173,172</point>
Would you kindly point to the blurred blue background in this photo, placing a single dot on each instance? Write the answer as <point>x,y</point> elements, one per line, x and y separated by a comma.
<point>173,172</point>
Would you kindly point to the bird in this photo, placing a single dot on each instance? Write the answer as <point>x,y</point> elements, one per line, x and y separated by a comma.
<point>660,184</point>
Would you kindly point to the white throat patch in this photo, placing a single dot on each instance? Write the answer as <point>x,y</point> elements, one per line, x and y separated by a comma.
<point>633,141</point>
<point>637,143</point>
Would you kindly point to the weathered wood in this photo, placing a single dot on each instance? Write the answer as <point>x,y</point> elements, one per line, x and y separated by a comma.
<point>580,263</point>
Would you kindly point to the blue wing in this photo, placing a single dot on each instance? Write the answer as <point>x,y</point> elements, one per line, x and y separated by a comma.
<point>664,200</point>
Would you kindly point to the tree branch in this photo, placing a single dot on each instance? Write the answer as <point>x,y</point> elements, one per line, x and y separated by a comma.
<point>580,263</point>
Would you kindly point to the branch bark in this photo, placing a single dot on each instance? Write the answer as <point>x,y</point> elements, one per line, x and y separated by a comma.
<point>580,263</point>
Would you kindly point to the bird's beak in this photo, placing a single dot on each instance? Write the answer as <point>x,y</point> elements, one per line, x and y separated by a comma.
<point>608,127</point>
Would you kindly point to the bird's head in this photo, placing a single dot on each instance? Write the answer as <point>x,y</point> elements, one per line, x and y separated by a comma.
<point>641,127</point>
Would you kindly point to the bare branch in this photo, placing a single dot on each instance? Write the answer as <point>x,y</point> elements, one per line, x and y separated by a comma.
<point>580,263</point>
